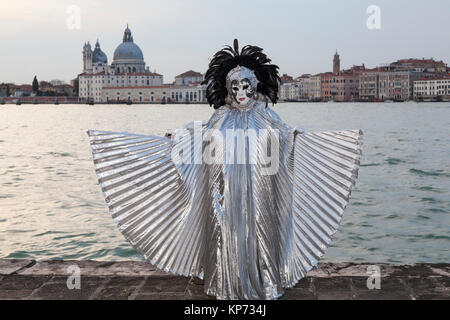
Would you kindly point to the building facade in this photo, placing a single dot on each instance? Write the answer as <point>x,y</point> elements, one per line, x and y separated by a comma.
<point>381,84</point>
<point>290,91</point>
<point>188,93</point>
<point>419,65</point>
<point>341,86</point>
<point>188,88</point>
<point>13,90</point>
<point>433,88</point>
<point>188,77</point>
<point>368,85</point>
<point>141,94</point>
<point>314,88</point>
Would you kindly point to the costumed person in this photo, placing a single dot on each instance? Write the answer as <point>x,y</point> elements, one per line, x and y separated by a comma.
<point>243,201</point>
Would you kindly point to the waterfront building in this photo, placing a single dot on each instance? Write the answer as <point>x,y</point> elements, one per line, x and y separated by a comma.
<point>194,92</point>
<point>381,84</point>
<point>4,89</point>
<point>341,86</point>
<point>328,86</point>
<point>290,91</point>
<point>305,87</point>
<point>303,83</point>
<point>286,78</point>
<point>188,77</point>
<point>26,90</point>
<point>188,88</point>
<point>419,65</point>
<point>136,93</point>
<point>21,90</point>
<point>99,81</point>
<point>64,90</point>
<point>395,85</point>
<point>432,88</point>
<point>314,88</point>
<point>15,90</point>
<point>368,85</point>
<point>303,77</point>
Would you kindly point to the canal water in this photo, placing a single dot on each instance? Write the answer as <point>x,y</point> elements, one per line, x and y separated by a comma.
<point>51,206</point>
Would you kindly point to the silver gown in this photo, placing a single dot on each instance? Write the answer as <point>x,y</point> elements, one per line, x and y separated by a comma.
<point>247,233</point>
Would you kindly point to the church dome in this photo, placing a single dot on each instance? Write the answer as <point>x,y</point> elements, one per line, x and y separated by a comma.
<point>98,55</point>
<point>128,50</point>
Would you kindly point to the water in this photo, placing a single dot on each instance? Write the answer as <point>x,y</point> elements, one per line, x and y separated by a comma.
<point>51,206</point>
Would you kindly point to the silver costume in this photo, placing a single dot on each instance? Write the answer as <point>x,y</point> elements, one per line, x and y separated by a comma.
<point>248,232</point>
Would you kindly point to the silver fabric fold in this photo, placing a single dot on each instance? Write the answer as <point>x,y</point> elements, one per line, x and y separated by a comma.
<point>247,232</point>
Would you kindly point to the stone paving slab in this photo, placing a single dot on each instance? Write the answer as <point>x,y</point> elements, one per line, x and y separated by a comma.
<point>92,268</point>
<point>9,266</point>
<point>28,279</point>
<point>56,289</point>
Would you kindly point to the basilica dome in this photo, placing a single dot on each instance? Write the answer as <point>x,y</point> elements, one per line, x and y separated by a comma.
<point>98,55</point>
<point>128,50</point>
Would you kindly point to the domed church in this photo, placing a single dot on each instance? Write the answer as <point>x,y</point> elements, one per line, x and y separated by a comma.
<point>127,73</point>
<point>128,56</point>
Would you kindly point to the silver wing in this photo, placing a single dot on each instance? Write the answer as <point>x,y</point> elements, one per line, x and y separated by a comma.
<point>157,205</point>
<point>325,168</point>
<point>148,199</point>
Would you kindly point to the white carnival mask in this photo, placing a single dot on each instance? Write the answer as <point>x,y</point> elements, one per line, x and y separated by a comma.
<point>241,84</point>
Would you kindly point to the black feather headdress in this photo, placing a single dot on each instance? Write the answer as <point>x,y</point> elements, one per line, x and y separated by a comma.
<point>229,58</point>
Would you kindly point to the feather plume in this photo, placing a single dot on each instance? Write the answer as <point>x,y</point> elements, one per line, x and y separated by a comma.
<point>251,57</point>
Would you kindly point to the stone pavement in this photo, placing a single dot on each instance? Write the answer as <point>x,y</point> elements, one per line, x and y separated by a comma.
<point>30,279</point>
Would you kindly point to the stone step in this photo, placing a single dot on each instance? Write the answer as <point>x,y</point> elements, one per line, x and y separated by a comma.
<point>132,280</point>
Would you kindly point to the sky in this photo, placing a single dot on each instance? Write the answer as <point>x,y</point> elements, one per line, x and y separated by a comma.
<point>43,38</point>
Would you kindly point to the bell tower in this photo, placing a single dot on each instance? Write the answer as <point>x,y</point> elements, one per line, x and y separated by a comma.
<point>87,57</point>
<point>336,63</point>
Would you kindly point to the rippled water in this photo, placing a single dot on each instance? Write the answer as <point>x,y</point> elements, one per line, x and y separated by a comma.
<point>51,206</point>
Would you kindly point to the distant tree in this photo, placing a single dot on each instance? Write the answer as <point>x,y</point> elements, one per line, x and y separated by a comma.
<point>45,84</point>
<point>8,90</point>
<point>56,82</point>
<point>35,85</point>
<point>48,93</point>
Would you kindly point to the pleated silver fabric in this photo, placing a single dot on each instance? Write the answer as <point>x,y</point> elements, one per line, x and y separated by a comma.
<point>248,233</point>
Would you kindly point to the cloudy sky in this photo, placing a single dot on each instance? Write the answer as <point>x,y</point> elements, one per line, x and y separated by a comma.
<point>178,35</point>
